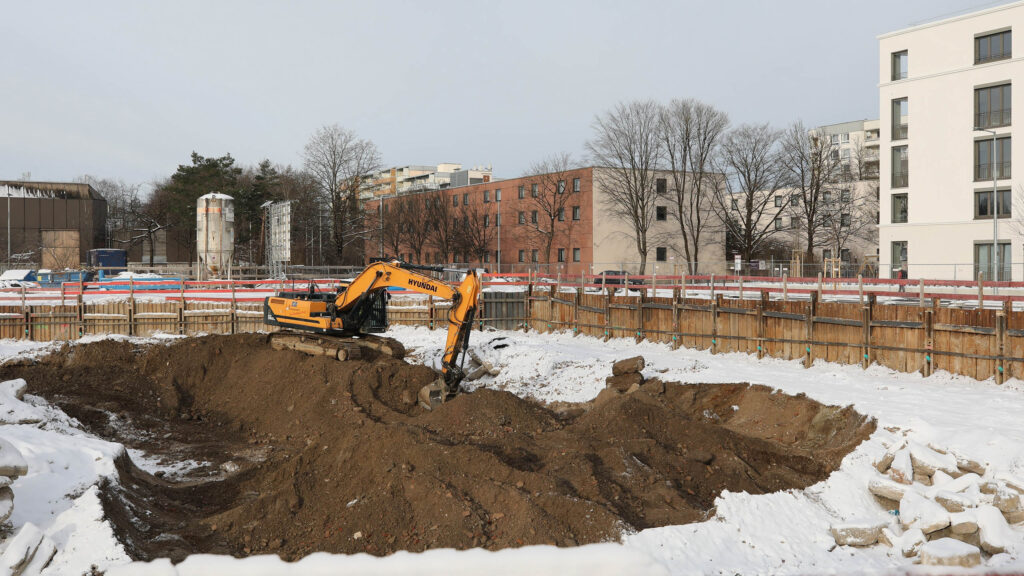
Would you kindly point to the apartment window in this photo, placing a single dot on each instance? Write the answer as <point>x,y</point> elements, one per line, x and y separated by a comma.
<point>983,208</point>
<point>533,217</point>
<point>522,217</point>
<point>522,255</point>
<point>561,254</point>
<point>561,186</point>
<point>899,254</point>
<point>455,223</point>
<point>576,213</point>
<point>661,186</point>
<point>487,195</point>
<point>497,195</point>
<point>522,192</point>
<point>487,257</point>
<point>661,254</point>
<point>992,106</point>
<point>984,265</point>
<point>575,254</point>
<point>561,214</point>
<point>497,256</point>
<point>992,47</point>
<point>735,204</point>
<point>844,155</point>
<point>465,199</point>
<point>794,222</point>
<point>575,184</point>
<point>497,219</point>
<point>845,195</point>
<point>826,197</point>
<point>533,190</point>
<point>455,200</point>
<point>661,213</point>
<point>778,201</point>
<point>487,220</point>
<point>900,119</point>
<point>899,65</point>
<point>900,173</point>
<point>845,220</point>
<point>844,137</point>
<point>983,161</point>
<point>794,200</point>
<point>533,255</point>
<point>834,139</point>
<point>899,208</point>
<point>778,223</point>
<point>844,254</point>
<point>826,254</point>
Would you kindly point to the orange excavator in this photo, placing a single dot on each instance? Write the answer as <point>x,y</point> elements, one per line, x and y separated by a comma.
<point>340,324</point>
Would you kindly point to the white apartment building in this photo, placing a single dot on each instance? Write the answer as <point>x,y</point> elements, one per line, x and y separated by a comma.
<point>944,94</point>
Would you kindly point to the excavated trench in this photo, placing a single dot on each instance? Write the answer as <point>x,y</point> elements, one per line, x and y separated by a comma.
<point>294,454</point>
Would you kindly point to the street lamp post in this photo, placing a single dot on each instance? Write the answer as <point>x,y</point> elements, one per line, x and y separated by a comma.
<point>497,198</point>
<point>995,207</point>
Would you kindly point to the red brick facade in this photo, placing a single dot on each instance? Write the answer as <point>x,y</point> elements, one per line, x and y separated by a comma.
<point>523,239</point>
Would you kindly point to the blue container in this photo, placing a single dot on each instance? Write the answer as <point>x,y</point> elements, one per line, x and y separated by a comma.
<point>108,258</point>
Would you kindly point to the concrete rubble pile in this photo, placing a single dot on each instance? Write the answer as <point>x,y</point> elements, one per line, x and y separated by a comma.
<point>480,367</point>
<point>947,510</point>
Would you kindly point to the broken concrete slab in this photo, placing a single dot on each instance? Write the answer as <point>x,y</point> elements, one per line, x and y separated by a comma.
<point>885,488</point>
<point>628,366</point>
<point>949,552</point>
<point>995,533</point>
<point>919,512</point>
<point>954,501</point>
<point>963,523</point>
<point>928,461</point>
<point>12,463</point>
<point>858,532</point>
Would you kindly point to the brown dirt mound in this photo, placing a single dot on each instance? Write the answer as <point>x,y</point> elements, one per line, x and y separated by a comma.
<point>306,454</point>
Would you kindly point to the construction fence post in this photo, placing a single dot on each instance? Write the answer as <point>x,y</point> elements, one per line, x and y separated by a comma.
<point>812,308</point>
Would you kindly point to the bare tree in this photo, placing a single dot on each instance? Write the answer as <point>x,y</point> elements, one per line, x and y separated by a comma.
<point>690,132</point>
<point>812,169</point>
<point>627,145</point>
<point>476,232</point>
<point>849,215</point>
<point>553,202</point>
<point>745,198</point>
<point>339,161</point>
<point>393,221</point>
<point>418,225</point>
<point>443,226</point>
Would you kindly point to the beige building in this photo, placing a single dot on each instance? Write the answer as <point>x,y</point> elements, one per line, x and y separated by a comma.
<point>404,179</point>
<point>938,163</point>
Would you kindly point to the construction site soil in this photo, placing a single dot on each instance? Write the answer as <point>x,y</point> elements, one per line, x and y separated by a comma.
<point>294,454</point>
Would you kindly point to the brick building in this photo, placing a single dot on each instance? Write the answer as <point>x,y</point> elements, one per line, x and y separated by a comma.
<point>512,221</point>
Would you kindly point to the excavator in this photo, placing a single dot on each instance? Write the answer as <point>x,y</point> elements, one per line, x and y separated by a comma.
<point>340,324</point>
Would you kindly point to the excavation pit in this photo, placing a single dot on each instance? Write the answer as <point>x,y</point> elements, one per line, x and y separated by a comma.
<point>296,454</point>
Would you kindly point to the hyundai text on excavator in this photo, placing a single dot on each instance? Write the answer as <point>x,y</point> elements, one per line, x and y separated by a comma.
<point>339,324</point>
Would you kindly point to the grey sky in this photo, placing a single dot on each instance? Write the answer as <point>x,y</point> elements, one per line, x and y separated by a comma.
<point>129,89</point>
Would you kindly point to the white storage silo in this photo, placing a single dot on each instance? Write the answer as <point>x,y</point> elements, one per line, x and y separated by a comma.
<point>215,232</point>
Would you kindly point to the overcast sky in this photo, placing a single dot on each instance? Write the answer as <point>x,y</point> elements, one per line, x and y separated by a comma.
<point>129,89</point>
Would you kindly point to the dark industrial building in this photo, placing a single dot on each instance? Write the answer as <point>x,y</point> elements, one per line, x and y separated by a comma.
<point>52,224</point>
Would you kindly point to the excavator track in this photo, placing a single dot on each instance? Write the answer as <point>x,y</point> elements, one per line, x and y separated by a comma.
<point>338,347</point>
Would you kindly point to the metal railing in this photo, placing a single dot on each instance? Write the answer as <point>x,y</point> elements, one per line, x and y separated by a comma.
<point>900,179</point>
<point>983,171</point>
<point>992,119</point>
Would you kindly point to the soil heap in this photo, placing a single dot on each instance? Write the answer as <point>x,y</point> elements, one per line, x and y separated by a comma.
<point>303,454</point>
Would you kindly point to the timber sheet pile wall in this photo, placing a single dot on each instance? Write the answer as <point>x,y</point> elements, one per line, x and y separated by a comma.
<point>980,344</point>
<point>129,317</point>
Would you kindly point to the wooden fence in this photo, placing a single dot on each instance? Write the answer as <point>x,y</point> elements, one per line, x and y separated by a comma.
<point>981,343</point>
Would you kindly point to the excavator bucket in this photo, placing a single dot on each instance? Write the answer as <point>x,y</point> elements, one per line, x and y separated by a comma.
<point>434,394</point>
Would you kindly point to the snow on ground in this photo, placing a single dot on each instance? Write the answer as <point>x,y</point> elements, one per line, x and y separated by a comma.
<point>785,532</point>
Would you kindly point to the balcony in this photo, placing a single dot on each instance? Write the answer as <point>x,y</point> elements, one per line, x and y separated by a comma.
<point>992,119</point>
<point>983,172</point>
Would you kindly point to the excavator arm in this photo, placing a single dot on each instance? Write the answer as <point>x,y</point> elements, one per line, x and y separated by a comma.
<point>352,306</point>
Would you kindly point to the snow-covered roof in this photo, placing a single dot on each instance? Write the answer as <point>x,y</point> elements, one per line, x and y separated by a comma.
<point>47,190</point>
<point>216,196</point>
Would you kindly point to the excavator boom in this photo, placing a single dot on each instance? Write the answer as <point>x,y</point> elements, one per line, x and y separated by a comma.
<point>360,307</point>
